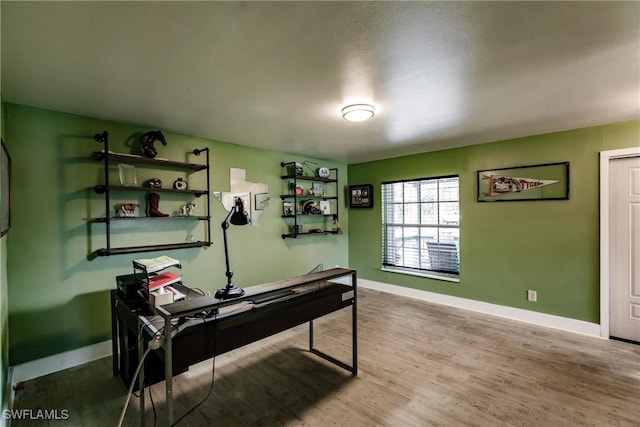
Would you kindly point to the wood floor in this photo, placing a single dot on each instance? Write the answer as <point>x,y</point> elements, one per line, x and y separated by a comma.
<point>419,365</point>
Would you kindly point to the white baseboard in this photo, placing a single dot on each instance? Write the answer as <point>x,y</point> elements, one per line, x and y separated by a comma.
<point>69,359</point>
<point>527,316</point>
<point>58,362</point>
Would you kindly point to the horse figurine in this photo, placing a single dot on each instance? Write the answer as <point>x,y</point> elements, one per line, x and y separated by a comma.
<point>147,141</point>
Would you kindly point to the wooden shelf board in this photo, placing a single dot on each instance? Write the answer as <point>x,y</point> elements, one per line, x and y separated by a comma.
<point>101,189</point>
<point>295,235</point>
<point>292,196</point>
<point>131,158</point>
<point>308,178</point>
<point>152,218</point>
<point>150,248</point>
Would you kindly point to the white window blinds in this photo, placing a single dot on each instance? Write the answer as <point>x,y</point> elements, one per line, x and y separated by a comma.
<point>421,225</point>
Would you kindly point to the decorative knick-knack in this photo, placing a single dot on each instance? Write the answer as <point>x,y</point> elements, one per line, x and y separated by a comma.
<point>180,184</point>
<point>125,210</point>
<point>147,141</point>
<point>153,200</point>
<point>154,183</point>
<point>187,210</point>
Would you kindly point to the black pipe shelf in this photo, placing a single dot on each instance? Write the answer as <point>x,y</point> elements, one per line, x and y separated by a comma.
<point>294,204</point>
<point>108,158</point>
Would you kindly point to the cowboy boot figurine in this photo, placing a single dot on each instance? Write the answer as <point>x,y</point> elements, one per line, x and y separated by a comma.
<point>153,200</point>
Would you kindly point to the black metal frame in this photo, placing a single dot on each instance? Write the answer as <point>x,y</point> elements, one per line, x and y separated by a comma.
<point>275,308</point>
<point>293,176</point>
<point>107,157</point>
<point>357,205</point>
<point>565,197</point>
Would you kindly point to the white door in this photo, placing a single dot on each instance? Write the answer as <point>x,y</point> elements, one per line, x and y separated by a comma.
<point>624,248</point>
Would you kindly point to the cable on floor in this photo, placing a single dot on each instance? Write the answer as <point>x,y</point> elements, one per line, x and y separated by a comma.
<point>133,382</point>
<point>213,371</point>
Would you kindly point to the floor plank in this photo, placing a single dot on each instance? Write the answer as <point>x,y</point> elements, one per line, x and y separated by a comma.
<point>420,364</point>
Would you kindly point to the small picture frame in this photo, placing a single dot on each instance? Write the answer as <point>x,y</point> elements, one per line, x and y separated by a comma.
<point>127,173</point>
<point>325,207</point>
<point>262,201</point>
<point>316,189</point>
<point>287,208</point>
<point>361,196</point>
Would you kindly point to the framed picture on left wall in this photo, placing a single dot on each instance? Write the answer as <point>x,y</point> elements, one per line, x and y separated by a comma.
<point>5,189</point>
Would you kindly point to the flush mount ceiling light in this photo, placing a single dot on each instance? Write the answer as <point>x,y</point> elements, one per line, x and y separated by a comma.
<point>357,112</point>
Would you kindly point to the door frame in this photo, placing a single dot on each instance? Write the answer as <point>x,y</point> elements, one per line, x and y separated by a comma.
<point>605,158</point>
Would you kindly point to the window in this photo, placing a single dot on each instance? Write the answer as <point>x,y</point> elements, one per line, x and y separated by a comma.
<point>421,226</point>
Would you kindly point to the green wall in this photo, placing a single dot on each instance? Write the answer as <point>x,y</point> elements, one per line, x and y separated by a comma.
<point>58,297</point>
<point>507,248</point>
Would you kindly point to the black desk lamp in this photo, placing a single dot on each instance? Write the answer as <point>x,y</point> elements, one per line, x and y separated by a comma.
<point>236,216</point>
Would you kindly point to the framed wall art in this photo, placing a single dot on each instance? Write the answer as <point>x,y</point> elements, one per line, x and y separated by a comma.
<point>5,189</point>
<point>361,196</point>
<point>536,182</point>
<point>262,201</point>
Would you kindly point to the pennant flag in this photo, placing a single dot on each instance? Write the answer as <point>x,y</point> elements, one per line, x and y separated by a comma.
<point>500,184</point>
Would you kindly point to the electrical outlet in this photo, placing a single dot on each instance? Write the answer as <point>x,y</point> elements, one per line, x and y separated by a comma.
<point>532,296</point>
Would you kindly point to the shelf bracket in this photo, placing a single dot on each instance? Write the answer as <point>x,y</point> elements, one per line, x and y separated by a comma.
<point>101,137</point>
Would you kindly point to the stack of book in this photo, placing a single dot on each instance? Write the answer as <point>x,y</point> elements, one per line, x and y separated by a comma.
<point>152,265</point>
<point>152,268</point>
<point>163,279</point>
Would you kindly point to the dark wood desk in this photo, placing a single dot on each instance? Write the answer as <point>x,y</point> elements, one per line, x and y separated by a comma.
<point>205,327</point>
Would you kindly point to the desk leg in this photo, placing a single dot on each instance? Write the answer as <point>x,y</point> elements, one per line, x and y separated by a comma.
<point>354,337</point>
<point>311,335</point>
<point>168,369</point>
<point>354,325</point>
<point>141,351</point>
<point>114,334</point>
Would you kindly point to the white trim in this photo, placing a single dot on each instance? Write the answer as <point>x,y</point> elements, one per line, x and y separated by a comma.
<point>58,362</point>
<point>521,315</point>
<point>9,395</point>
<point>605,158</point>
<point>69,359</point>
<point>435,276</point>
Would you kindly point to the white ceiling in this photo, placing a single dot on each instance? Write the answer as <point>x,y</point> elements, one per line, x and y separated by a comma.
<point>275,75</point>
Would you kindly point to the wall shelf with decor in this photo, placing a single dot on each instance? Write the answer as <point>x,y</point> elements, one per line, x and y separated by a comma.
<point>309,203</point>
<point>128,184</point>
